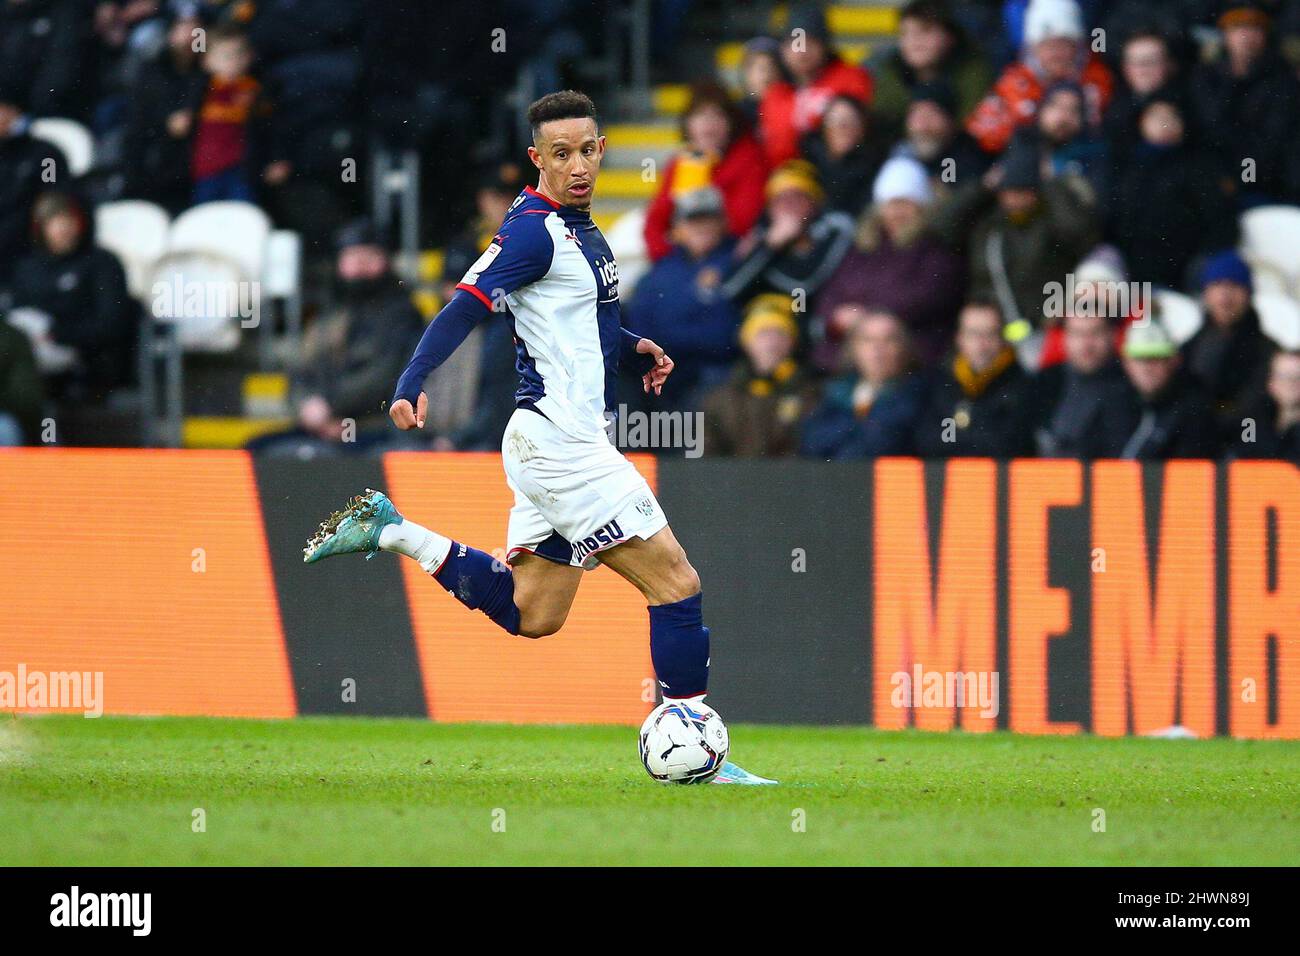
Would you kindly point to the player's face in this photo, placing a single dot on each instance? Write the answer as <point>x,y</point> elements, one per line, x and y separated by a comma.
<point>568,154</point>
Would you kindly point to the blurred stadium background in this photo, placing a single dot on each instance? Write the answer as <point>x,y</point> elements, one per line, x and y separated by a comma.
<point>223,227</point>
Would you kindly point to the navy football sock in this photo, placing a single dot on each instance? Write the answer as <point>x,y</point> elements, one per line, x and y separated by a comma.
<point>679,647</point>
<point>481,583</point>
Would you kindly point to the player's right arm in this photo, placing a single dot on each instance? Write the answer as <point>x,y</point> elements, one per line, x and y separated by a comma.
<point>519,254</point>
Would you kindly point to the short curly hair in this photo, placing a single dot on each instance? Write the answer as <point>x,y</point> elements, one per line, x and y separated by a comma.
<point>564,104</point>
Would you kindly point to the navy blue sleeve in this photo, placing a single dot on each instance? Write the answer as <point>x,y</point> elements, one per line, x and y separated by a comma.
<point>442,337</point>
<point>629,357</point>
<point>518,255</point>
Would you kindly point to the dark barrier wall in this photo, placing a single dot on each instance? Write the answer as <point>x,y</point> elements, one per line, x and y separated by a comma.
<point>1035,596</point>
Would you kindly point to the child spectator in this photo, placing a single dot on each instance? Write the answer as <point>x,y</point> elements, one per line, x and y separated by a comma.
<point>760,67</point>
<point>222,154</point>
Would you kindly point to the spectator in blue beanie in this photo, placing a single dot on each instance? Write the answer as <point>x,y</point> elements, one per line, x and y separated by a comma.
<point>1229,354</point>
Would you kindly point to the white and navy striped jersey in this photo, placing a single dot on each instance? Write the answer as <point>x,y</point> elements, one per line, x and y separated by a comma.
<point>551,269</point>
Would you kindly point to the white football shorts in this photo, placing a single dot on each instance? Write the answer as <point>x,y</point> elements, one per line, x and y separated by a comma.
<point>574,497</point>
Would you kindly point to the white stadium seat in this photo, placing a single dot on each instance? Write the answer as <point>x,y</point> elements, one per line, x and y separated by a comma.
<point>136,232</point>
<point>1180,314</point>
<point>1279,317</point>
<point>283,268</point>
<point>1270,242</point>
<point>237,231</point>
<point>626,240</point>
<point>72,138</point>
<point>200,293</point>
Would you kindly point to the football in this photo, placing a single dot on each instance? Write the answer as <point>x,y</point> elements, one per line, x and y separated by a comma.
<point>683,743</point>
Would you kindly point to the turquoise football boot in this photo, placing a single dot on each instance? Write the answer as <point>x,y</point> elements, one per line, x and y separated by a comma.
<point>730,773</point>
<point>355,529</point>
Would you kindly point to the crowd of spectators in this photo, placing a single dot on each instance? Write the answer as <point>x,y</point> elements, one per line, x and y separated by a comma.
<point>282,103</point>
<point>944,229</point>
<point>846,260</point>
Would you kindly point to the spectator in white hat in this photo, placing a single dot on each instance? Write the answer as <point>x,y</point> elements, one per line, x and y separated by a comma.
<point>1055,51</point>
<point>897,266</point>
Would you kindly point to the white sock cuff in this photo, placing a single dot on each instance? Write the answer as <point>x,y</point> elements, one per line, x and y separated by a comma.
<point>416,541</point>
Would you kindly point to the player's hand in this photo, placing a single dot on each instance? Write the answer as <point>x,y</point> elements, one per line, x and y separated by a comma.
<point>405,417</point>
<point>663,367</point>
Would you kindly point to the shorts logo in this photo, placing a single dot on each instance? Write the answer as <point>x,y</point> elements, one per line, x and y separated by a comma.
<point>646,507</point>
<point>603,537</point>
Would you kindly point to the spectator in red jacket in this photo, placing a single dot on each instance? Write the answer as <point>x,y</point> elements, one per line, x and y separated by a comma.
<point>790,110</point>
<point>720,152</point>
<point>1055,51</point>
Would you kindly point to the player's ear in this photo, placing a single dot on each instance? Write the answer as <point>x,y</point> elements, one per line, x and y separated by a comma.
<point>600,141</point>
<point>535,157</point>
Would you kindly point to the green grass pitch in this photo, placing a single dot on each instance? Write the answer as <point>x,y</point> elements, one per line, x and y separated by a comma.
<point>122,791</point>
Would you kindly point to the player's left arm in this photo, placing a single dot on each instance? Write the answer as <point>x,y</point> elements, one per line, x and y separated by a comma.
<point>651,360</point>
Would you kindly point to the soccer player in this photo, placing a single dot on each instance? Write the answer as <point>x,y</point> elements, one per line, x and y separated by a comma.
<point>578,501</point>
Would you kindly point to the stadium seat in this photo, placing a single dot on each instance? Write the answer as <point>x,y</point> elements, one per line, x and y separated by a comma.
<point>72,138</point>
<point>202,298</point>
<point>1279,317</point>
<point>626,240</point>
<point>282,276</point>
<point>1181,314</point>
<point>1270,238</point>
<point>136,232</point>
<point>237,231</point>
